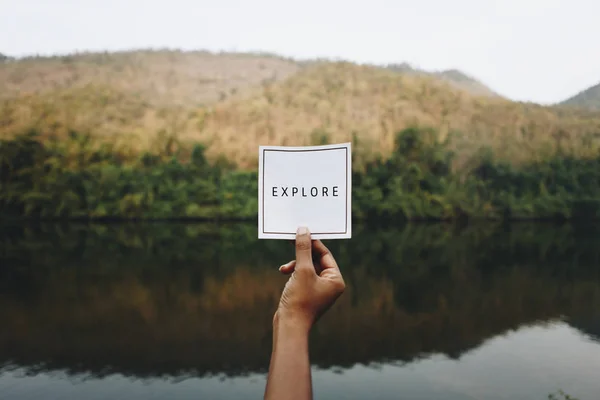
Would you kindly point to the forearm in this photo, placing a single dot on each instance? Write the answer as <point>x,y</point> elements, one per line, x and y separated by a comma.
<point>289,372</point>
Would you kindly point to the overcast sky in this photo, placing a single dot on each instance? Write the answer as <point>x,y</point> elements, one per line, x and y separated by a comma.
<point>530,50</point>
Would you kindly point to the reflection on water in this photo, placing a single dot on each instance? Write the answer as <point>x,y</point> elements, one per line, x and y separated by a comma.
<point>184,311</point>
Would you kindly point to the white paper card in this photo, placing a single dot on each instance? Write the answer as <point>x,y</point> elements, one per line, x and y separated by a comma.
<point>305,186</point>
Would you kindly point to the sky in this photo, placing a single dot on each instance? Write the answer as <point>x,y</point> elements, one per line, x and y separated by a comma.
<point>528,50</point>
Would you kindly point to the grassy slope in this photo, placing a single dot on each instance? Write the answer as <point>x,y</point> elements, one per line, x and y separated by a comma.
<point>235,102</point>
<point>343,101</point>
<point>455,77</point>
<point>118,94</point>
<point>466,82</point>
<point>589,98</point>
<point>163,78</point>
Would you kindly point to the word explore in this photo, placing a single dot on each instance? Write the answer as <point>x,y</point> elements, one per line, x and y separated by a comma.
<point>293,191</point>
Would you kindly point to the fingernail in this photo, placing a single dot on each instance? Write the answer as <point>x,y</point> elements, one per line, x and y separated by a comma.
<point>302,230</point>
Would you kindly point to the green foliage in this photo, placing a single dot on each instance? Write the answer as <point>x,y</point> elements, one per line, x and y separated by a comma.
<point>43,182</point>
<point>239,194</point>
<point>77,178</point>
<point>417,182</point>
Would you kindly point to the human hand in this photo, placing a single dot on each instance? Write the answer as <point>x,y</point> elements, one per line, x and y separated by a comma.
<point>313,285</point>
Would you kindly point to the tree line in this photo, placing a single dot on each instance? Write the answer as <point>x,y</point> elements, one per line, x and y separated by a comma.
<point>80,178</point>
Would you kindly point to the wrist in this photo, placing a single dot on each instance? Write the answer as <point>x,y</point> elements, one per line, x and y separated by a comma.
<point>292,321</point>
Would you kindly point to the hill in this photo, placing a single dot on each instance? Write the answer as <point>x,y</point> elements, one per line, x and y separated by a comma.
<point>454,76</point>
<point>234,102</point>
<point>122,95</point>
<point>158,77</point>
<point>169,78</point>
<point>338,102</point>
<point>588,98</point>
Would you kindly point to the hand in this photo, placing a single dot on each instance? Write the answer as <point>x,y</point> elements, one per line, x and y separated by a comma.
<point>313,286</point>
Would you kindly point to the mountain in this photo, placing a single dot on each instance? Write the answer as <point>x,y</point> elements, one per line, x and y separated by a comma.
<point>466,82</point>
<point>337,102</point>
<point>158,77</point>
<point>455,77</point>
<point>234,102</point>
<point>588,98</point>
<point>170,77</point>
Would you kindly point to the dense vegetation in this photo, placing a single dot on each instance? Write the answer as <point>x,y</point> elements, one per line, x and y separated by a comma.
<point>79,178</point>
<point>418,181</point>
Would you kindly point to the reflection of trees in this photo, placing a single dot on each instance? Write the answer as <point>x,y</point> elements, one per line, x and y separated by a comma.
<point>169,300</point>
<point>588,326</point>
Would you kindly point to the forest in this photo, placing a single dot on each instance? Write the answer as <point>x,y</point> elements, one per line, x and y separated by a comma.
<point>82,178</point>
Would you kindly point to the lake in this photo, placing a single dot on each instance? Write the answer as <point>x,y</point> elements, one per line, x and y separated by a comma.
<point>184,311</point>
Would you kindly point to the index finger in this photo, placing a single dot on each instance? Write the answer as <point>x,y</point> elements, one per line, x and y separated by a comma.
<point>327,259</point>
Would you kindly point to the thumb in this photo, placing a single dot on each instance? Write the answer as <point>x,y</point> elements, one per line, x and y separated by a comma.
<point>303,248</point>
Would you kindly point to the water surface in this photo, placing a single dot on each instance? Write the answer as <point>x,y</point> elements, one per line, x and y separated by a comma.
<point>176,311</point>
